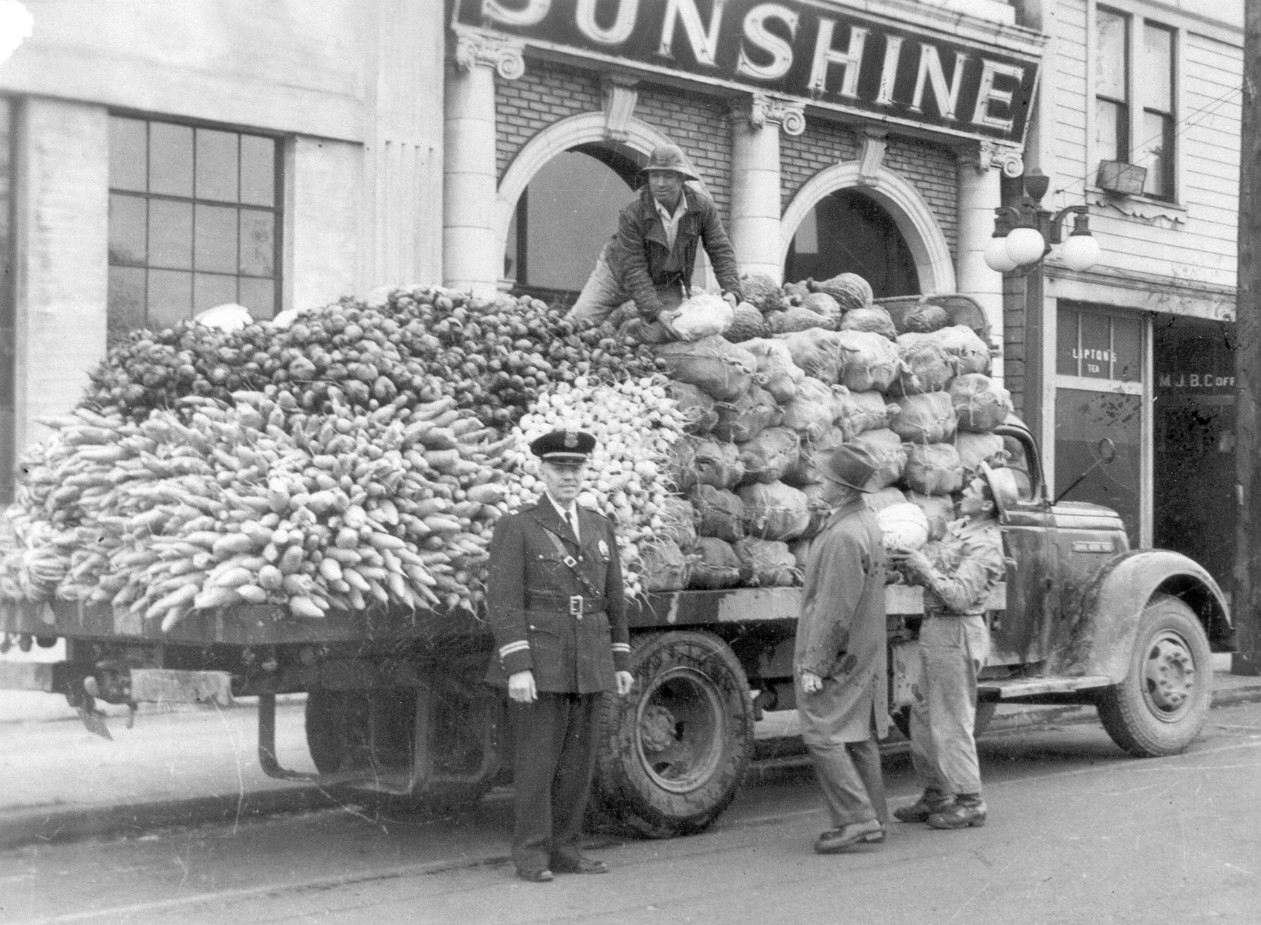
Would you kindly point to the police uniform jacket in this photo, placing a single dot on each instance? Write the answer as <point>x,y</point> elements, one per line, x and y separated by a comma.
<point>557,607</point>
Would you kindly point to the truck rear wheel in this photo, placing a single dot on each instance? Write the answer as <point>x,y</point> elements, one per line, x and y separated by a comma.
<point>675,750</point>
<point>1162,704</point>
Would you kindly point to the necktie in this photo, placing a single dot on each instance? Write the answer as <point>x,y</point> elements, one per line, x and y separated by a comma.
<point>573,522</point>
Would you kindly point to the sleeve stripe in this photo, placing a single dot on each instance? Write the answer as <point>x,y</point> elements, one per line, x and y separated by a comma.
<point>621,647</point>
<point>513,647</point>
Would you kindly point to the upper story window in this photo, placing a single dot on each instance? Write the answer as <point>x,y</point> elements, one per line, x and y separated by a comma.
<point>1135,96</point>
<point>194,222</point>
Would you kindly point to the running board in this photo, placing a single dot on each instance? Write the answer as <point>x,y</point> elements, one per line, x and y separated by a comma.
<point>1019,688</point>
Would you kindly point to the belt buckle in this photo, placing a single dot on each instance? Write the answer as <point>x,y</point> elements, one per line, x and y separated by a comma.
<point>575,605</point>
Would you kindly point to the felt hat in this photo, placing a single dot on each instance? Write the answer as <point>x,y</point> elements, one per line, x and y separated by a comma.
<point>670,157</point>
<point>1002,486</point>
<point>851,464</point>
<point>564,447</point>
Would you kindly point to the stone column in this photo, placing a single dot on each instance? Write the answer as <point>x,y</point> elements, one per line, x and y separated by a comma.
<point>62,228</point>
<point>471,255</point>
<point>979,195</point>
<point>755,179</point>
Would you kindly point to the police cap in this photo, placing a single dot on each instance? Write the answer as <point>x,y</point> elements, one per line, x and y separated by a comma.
<point>564,447</point>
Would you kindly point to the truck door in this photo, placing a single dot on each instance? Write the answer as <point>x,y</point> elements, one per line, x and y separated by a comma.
<point>1023,632</point>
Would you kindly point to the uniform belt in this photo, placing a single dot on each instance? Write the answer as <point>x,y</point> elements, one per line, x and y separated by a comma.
<point>953,614</point>
<point>575,604</point>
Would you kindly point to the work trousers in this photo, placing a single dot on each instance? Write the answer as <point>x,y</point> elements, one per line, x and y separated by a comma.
<point>943,713</point>
<point>853,786</point>
<point>555,743</point>
<point>603,294</point>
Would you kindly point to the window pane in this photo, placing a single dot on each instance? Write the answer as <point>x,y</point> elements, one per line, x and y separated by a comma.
<point>258,243</point>
<point>1109,131</point>
<point>1082,419</point>
<point>128,154</point>
<point>170,234</point>
<point>211,289</point>
<point>1095,354</point>
<point>126,301</point>
<point>216,239</point>
<point>1156,154</point>
<point>573,206</point>
<point>216,165</point>
<point>259,296</point>
<point>1066,338</point>
<point>258,170</point>
<point>1127,344</point>
<point>170,159</point>
<point>1110,55</point>
<point>1156,69</point>
<point>170,298</point>
<point>127,226</point>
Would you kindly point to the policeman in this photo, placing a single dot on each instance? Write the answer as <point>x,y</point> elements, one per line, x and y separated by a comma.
<point>558,612</point>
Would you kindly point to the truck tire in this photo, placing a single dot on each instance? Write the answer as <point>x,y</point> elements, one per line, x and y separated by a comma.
<point>1163,703</point>
<point>985,710</point>
<point>675,750</point>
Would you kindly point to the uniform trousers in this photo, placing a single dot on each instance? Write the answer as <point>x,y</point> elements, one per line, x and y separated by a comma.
<point>554,750</point>
<point>851,780</point>
<point>953,649</point>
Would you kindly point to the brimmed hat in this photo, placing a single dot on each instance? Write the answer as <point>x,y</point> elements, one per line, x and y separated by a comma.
<point>851,464</point>
<point>564,447</point>
<point>670,157</point>
<point>1002,486</point>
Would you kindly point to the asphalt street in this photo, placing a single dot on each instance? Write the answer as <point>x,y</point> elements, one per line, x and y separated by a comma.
<point>1078,833</point>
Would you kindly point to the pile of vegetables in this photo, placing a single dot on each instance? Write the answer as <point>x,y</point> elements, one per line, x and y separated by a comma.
<point>359,455</point>
<point>354,457</point>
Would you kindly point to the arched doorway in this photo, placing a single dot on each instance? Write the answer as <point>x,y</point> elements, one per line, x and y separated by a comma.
<point>565,214</point>
<point>848,232</point>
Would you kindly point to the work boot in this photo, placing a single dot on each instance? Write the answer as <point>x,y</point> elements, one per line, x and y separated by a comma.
<point>930,801</point>
<point>967,810</point>
<point>847,836</point>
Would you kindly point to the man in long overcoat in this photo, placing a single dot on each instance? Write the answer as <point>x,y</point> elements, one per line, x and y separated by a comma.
<point>557,608</point>
<point>840,659</point>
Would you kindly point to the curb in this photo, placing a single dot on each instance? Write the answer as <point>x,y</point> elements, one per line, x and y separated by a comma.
<point>53,824</point>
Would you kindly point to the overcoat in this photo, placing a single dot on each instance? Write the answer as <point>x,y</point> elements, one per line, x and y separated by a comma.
<point>642,261</point>
<point>557,607</point>
<point>841,635</point>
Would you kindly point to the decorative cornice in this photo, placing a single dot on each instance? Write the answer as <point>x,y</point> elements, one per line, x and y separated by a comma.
<point>474,48</point>
<point>762,109</point>
<point>871,158</point>
<point>620,98</point>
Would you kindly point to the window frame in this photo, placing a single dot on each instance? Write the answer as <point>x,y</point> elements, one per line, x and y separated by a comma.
<point>1137,105</point>
<point>196,202</point>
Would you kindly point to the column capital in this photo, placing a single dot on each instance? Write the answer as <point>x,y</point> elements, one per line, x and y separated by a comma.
<point>621,96</point>
<point>479,48</point>
<point>762,109</point>
<point>990,154</point>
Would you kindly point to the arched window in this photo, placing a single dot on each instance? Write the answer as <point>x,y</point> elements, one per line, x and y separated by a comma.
<point>567,212</point>
<point>848,232</point>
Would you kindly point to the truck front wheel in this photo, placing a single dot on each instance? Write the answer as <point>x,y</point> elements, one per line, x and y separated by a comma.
<point>675,750</point>
<point>1163,703</point>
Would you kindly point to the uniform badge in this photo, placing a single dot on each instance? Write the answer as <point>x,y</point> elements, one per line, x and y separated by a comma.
<point>604,549</point>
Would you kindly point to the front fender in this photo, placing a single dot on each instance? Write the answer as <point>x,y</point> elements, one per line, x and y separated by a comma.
<point>1102,638</point>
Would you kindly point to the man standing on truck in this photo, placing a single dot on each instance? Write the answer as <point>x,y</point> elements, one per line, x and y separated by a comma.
<point>957,574</point>
<point>840,660</point>
<point>651,258</point>
<point>558,612</point>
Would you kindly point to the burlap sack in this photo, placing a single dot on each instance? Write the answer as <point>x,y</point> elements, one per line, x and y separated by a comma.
<point>926,418</point>
<point>720,369</point>
<point>933,469</point>
<point>721,513</point>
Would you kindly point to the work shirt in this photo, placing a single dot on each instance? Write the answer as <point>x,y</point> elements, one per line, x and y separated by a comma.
<point>967,563</point>
<point>671,222</point>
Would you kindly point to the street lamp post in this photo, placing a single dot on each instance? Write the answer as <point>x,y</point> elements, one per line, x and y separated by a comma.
<point>1024,235</point>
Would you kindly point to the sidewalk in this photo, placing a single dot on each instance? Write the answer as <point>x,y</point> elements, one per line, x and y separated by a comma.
<point>200,764</point>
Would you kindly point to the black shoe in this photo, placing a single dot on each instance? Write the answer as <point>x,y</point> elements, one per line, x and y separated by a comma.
<point>579,865</point>
<point>847,836</point>
<point>961,814</point>
<point>535,874</point>
<point>930,801</point>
